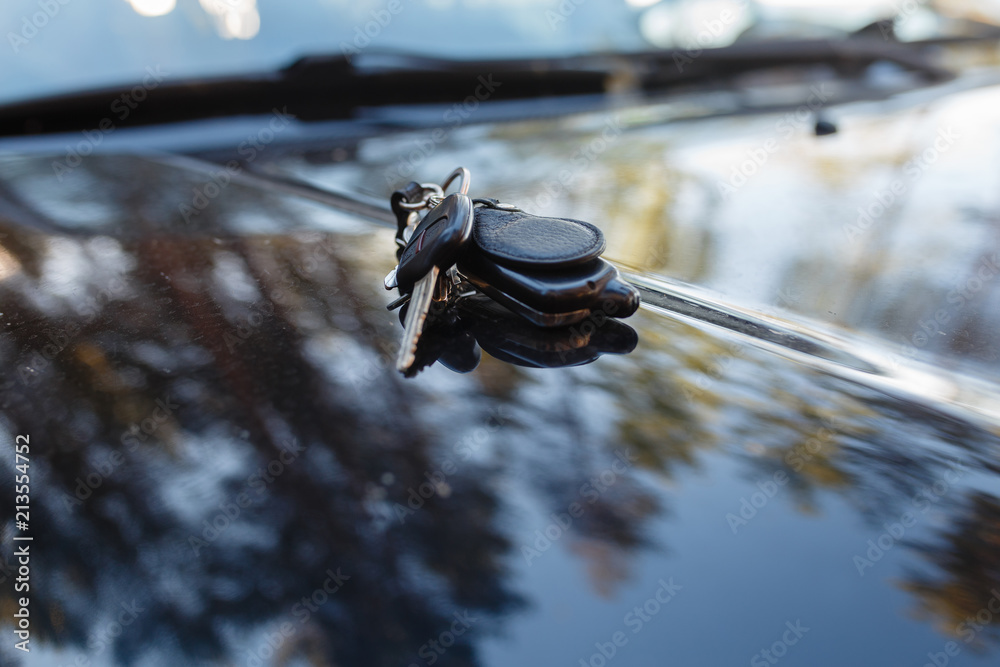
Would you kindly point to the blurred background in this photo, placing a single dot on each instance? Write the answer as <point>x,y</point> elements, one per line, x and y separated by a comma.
<point>826,171</point>
<point>75,45</point>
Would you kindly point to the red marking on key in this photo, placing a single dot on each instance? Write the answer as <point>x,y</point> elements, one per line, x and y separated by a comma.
<point>420,241</point>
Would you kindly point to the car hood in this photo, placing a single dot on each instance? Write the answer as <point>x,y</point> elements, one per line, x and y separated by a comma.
<point>226,466</point>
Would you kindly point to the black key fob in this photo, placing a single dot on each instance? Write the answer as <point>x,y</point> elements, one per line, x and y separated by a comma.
<point>437,241</point>
<point>547,270</point>
<point>521,240</point>
<point>553,298</point>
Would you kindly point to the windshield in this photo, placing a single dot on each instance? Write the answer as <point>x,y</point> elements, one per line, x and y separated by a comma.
<point>59,46</point>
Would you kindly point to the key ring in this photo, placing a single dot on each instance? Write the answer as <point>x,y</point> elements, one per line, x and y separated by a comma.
<point>434,194</point>
<point>463,185</point>
<point>431,190</point>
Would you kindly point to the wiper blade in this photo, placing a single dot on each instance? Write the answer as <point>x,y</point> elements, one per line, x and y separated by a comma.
<point>332,87</point>
<point>849,57</point>
<point>312,88</point>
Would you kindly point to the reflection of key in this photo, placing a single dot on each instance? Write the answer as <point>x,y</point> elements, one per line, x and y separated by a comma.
<point>432,250</point>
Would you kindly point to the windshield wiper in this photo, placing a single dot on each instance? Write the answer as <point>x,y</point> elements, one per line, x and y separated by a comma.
<point>312,88</point>
<point>332,87</point>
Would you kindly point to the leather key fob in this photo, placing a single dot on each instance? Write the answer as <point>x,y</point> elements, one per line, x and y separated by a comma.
<point>518,239</point>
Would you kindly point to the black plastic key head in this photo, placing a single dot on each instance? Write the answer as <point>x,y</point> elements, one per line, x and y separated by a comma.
<point>437,241</point>
<point>553,298</point>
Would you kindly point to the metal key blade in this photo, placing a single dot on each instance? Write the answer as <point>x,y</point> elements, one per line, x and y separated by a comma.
<point>420,304</point>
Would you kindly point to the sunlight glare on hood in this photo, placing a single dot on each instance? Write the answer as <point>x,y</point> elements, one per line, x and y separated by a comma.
<point>234,19</point>
<point>849,15</point>
<point>9,265</point>
<point>695,24</point>
<point>153,7</point>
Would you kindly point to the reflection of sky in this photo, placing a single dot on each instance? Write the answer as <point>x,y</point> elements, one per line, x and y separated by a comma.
<point>105,42</point>
<point>746,599</point>
<point>100,43</point>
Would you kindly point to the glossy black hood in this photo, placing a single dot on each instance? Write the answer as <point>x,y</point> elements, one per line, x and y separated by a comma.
<point>227,469</point>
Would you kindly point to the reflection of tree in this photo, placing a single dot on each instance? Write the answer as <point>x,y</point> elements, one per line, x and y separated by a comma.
<point>964,595</point>
<point>258,337</point>
<point>881,455</point>
<point>241,371</point>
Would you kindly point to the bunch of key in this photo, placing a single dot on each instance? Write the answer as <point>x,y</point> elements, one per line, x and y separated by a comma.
<point>546,270</point>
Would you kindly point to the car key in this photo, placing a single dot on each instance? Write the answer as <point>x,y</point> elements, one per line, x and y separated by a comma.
<point>432,250</point>
<point>552,298</point>
<point>548,270</point>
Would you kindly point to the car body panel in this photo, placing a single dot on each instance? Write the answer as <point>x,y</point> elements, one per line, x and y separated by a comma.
<point>220,437</point>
